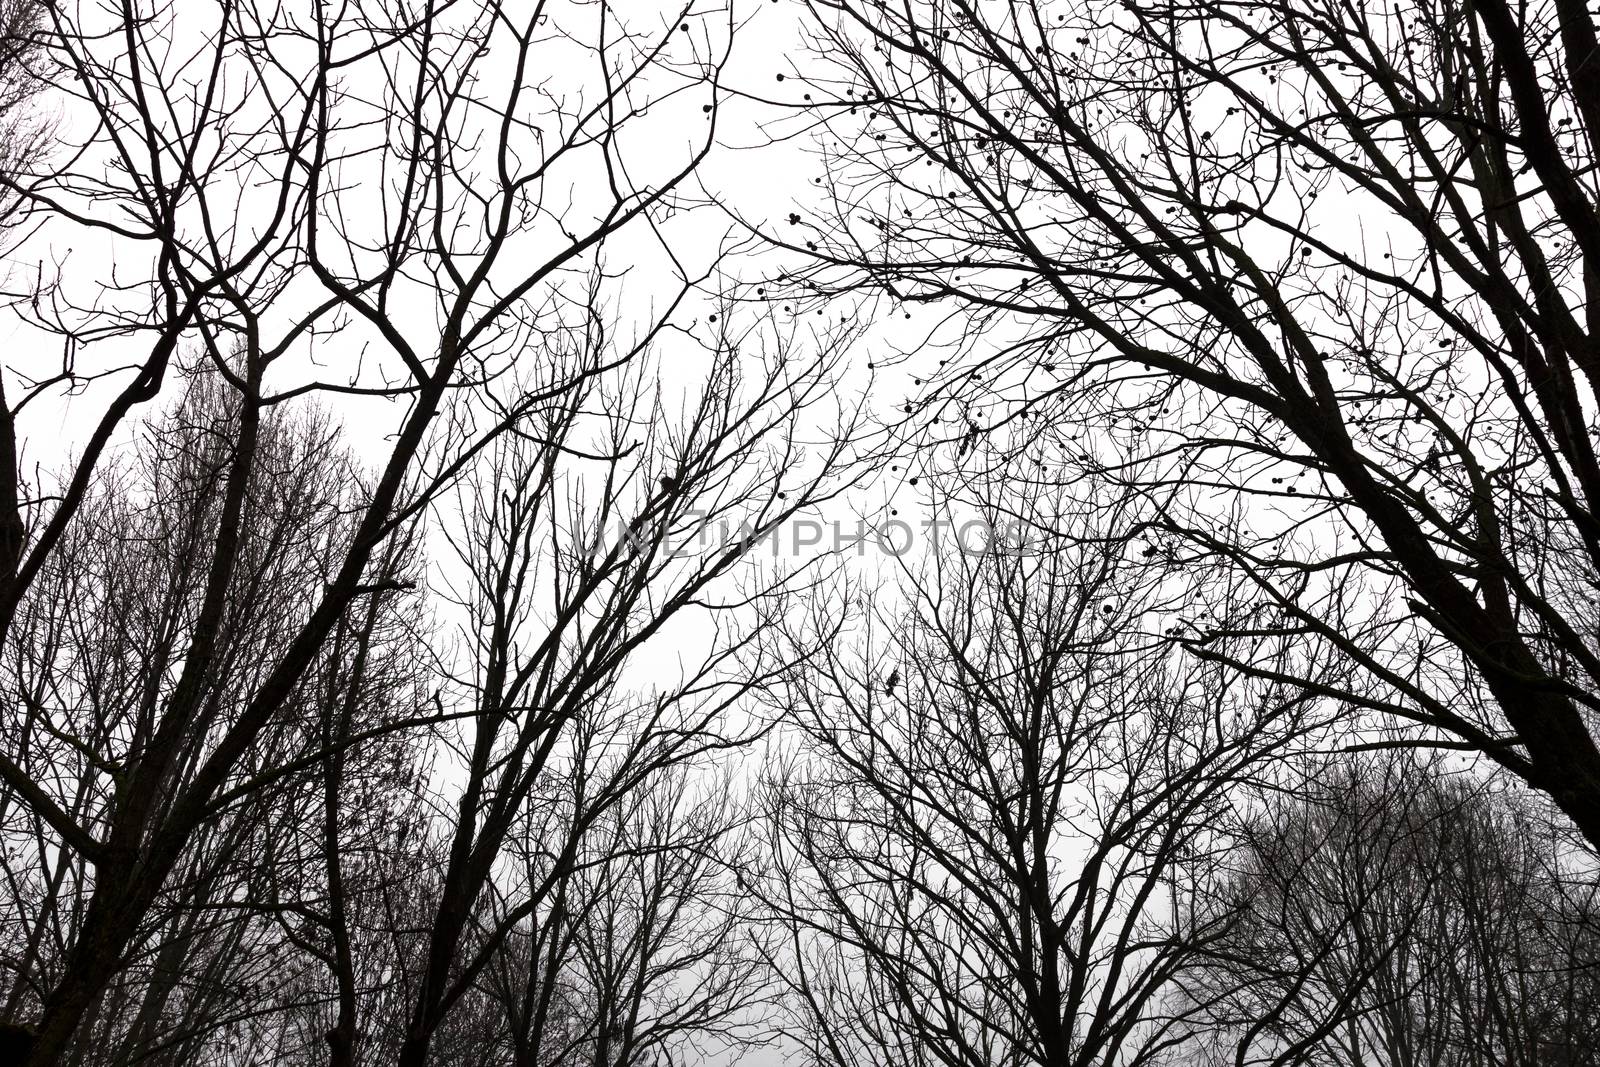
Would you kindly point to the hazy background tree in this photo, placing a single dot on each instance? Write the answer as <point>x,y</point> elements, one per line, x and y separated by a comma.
<point>1391,910</point>
<point>665,951</point>
<point>24,121</point>
<point>93,662</point>
<point>24,127</point>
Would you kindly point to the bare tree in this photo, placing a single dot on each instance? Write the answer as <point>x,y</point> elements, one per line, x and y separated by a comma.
<point>665,941</point>
<point>620,510</point>
<point>92,664</point>
<point>997,807</point>
<point>339,201</point>
<point>23,128</point>
<point>23,135</point>
<point>1386,913</point>
<point>646,952</point>
<point>1334,264</point>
